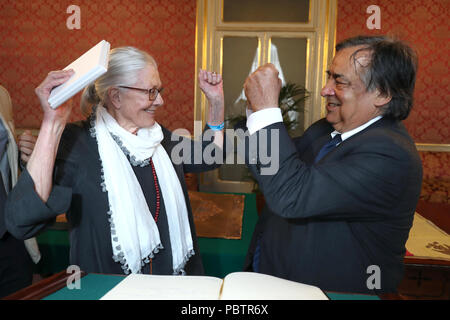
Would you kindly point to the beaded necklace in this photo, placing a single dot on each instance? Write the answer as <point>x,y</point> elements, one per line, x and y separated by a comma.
<point>158,203</point>
<point>158,195</point>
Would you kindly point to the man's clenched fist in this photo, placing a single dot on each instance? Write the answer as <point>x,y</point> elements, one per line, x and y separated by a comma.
<point>262,88</point>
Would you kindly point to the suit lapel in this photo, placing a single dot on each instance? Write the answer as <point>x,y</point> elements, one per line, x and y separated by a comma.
<point>382,123</point>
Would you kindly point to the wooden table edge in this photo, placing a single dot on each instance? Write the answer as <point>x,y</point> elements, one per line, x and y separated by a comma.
<point>43,288</point>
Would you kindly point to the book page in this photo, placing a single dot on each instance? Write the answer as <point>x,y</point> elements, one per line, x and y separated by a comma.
<point>154,287</point>
<point>257,286</point>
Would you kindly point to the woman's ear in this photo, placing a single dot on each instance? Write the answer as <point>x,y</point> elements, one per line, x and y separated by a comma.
<point>114,97</point>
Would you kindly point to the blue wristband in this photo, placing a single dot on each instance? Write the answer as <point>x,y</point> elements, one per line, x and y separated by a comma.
<point>217,128</point>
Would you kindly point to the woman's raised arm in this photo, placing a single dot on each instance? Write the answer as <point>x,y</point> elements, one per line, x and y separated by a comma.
<point>42,160</point>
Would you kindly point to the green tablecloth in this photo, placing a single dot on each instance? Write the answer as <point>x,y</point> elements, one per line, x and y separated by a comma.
<point>92,287</point>
<point>220,256</point>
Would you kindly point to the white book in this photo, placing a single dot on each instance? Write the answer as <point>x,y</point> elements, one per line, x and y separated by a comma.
<point>88,68</point>
<point>235,286</point>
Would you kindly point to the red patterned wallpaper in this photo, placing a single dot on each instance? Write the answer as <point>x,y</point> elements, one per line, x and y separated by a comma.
<point>34,40</point>
<point>424,25</point>
<point>436,164</point>
<point>436,177</point>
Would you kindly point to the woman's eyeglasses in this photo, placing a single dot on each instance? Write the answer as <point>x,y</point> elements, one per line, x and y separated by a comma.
<point>152,93</point>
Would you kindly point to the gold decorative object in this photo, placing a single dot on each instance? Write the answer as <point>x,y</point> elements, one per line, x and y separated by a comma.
<point>217,215</point>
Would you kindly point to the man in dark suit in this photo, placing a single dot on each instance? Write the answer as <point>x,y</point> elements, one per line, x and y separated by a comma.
<point>340,206</point>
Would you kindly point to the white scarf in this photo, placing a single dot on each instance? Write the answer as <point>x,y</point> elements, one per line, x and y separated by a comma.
<point>134,234</point>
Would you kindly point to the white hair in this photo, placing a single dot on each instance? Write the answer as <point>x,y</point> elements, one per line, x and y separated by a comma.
<point>123,67</point>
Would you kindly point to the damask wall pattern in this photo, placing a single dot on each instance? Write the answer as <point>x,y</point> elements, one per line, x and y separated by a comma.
<point>35,39</point>
<point>436,177</point>
<point>424,25</point>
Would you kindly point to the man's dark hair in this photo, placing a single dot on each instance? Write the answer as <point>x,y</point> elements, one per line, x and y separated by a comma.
<point>392,70</point>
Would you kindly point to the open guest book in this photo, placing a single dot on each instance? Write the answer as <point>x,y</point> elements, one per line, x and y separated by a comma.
<point>235,286</point>
<point>88,68</point>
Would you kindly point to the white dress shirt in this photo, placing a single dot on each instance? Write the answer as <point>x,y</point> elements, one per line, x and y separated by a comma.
<point>263,118</point>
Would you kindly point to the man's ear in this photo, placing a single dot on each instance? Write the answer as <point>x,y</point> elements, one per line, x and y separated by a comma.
<point>381,99</point>
<point>114,97</point>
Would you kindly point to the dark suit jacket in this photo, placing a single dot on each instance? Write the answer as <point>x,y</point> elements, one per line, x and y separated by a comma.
<point>77,191</point>
<point>326,223</point>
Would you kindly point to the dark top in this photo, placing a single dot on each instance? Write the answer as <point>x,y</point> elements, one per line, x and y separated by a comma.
<point>3,149</point>
<point>77,191</point>
<point>16,266</point>
<point>327,223</point>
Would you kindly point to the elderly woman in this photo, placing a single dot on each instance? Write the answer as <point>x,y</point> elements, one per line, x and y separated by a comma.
<point>126,201</point>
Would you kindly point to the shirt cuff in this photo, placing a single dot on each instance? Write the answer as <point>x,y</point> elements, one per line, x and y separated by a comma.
<point>263,118</point>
